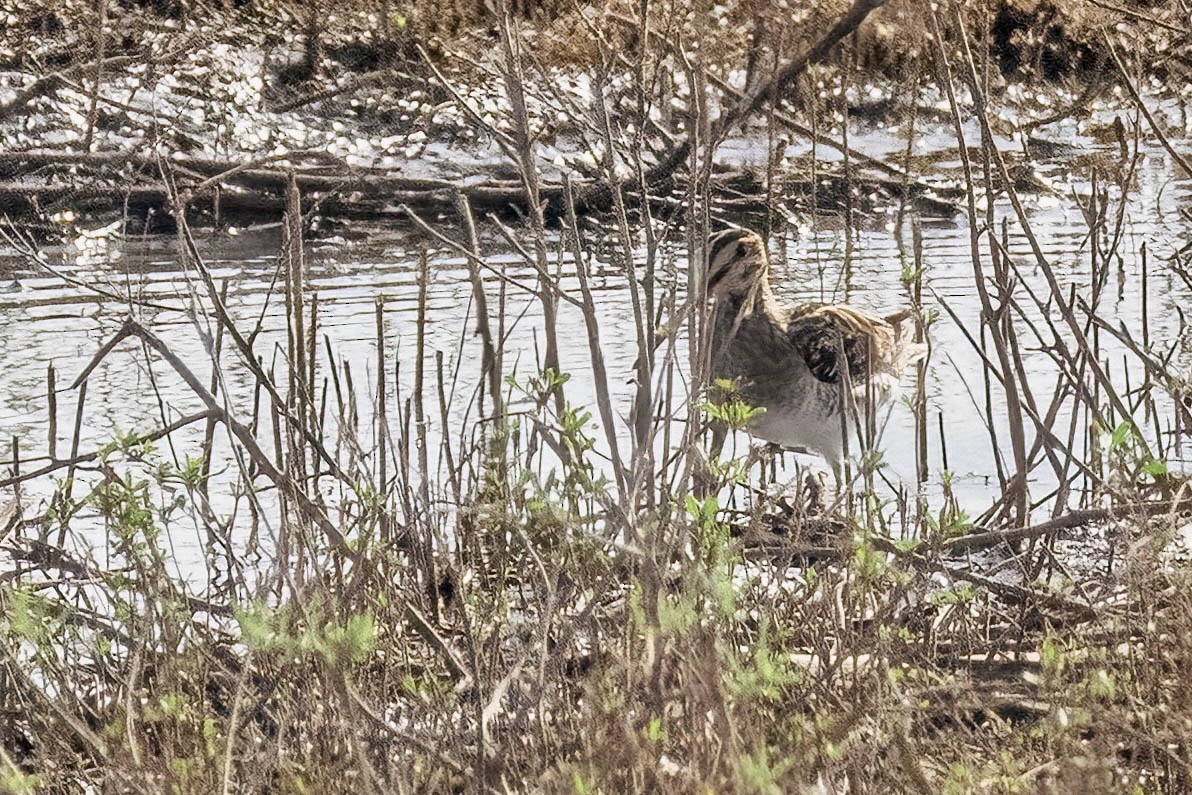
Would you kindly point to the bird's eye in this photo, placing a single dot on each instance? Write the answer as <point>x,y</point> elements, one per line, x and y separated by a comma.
<point>742,249</point>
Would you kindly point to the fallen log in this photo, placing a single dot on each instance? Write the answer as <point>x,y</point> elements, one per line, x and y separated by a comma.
<point>1080,518</point>
<point>350,199</point>
<point>34,183</point>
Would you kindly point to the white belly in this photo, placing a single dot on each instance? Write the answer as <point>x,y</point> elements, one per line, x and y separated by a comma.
<point>816,431</point>
<point>811,418</point>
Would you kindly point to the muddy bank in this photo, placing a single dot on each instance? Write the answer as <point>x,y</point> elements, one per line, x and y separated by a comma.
<point>371,112</point>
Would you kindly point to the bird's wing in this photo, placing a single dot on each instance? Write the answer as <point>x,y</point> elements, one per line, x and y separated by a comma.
<point>821,334</point>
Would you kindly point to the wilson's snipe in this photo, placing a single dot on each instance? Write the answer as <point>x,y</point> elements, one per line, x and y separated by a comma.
<point>789,360</point>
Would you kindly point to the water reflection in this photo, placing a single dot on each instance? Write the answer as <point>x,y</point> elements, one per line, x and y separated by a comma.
<point>45,320</point>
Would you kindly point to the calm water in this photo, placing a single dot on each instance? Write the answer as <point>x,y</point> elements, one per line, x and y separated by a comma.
<point>44,319</point>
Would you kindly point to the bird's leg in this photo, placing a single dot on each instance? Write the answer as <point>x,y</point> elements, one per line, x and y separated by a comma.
<point>764,454</point>
<point>705,479</point>
<point>773,451</point>
<point>719,434</point>
<point>813,486</point>
<point>839,491</point>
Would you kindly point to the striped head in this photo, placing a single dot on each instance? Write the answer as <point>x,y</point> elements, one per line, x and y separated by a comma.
<point>737,263</point>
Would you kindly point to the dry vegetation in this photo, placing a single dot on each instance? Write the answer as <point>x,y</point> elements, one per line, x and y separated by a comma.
<point>372,104</point>
<point>527,604</point>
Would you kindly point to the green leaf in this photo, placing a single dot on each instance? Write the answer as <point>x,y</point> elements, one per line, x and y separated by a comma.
<point>1121,434</point>
<point>257,629</point>
<point>654,731</point>
<point>360,636</point>
<point>1155,467</point>
<point>209,738</point>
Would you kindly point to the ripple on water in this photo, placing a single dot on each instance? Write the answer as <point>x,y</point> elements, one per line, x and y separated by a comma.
<point>43,320</point>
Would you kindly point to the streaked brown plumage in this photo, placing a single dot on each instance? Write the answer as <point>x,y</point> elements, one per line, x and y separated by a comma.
<point>789,359</point>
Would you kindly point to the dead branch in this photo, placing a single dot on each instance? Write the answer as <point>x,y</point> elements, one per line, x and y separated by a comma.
<point>47,84</point>
<point>600,196</point>
<point>83,458</point>
<point>1146,113</point>
<point>984,540</point>
<point>243,433</point>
